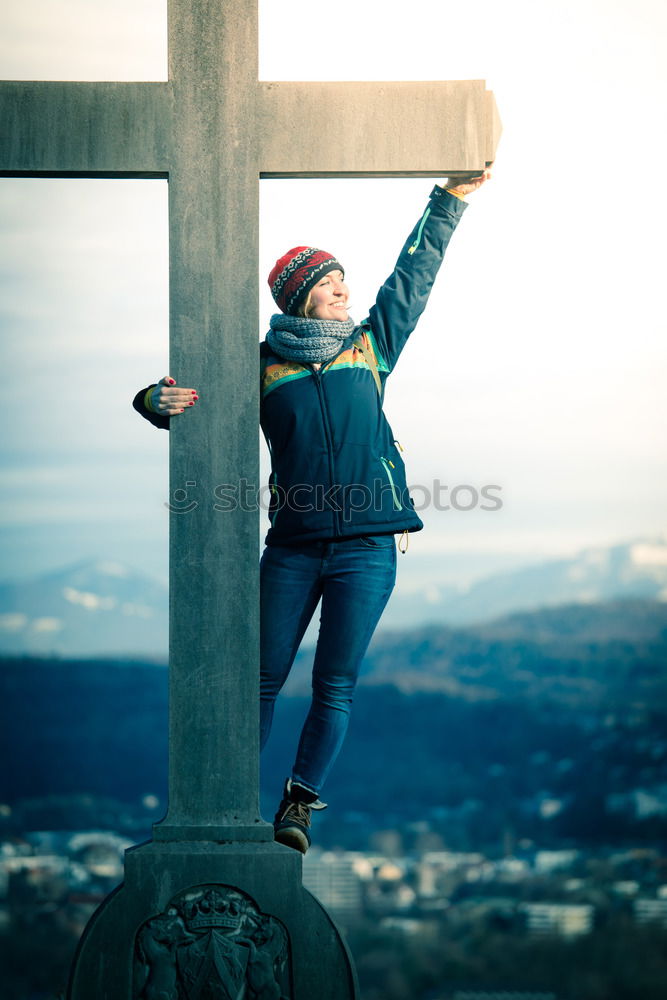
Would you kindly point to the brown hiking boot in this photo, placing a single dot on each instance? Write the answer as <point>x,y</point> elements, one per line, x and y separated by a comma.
<point>292,822</point>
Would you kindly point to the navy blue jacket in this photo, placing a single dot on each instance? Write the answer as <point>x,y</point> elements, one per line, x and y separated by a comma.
<point>336,470</point>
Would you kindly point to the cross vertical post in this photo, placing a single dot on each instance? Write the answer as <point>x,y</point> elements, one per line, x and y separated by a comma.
<point>213,559</point>
<point>211,899</point>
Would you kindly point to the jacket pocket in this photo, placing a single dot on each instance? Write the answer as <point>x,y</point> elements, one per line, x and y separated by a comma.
<point>377,541</point>
<point>388,465</point>
<point>411,249</point>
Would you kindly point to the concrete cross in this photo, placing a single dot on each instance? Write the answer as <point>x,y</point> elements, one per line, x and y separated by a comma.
<point>213,130</point>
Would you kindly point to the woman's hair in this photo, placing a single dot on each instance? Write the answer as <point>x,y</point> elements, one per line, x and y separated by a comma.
<point>306,306</point>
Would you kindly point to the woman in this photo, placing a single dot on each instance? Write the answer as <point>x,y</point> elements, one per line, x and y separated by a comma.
<point>338,484</point>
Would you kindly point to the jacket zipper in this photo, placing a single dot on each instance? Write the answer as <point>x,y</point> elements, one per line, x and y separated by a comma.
<point>274,493</point>
<point>386,463</point>
<point>327,431</point>
<point>417,241</point>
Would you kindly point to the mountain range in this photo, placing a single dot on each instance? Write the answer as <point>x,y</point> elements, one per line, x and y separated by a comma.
<point>104,608</point>
<point>637,568</point>
<point>92,608</point>
<point>550,723</point>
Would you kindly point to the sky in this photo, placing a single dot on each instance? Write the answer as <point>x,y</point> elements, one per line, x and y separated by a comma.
<point>539,366</point>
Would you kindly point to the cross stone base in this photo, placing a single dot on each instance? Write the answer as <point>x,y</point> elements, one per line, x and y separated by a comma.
<point>206,920</point>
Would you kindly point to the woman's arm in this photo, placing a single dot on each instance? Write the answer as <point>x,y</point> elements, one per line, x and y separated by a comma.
<point>163,400</point>
<point>403,297</point>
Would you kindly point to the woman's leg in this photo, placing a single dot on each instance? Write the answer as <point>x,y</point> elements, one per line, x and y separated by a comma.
<point>358,578</point>
<point>289,592</point>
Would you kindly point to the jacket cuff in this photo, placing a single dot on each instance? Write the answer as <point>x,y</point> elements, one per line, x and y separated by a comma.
<point>147,399</point>
<point>447,202</point>
<point>157,419</point>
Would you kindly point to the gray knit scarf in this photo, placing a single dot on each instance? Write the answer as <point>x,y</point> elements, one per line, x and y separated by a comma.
<point>311,340</point>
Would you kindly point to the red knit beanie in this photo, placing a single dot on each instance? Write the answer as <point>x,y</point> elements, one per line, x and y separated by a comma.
<point>294,275</point>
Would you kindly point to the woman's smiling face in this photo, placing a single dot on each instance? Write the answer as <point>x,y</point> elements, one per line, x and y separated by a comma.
<point>328,298</point>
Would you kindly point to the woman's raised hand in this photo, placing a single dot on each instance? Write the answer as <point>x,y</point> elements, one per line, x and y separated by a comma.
<point>169,400</point>
<point>466,187</point>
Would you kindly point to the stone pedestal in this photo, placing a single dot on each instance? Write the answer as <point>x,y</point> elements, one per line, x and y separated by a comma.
<point>207,921</point>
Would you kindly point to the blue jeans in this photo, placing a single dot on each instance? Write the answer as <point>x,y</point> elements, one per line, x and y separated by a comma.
<point>355,578</point>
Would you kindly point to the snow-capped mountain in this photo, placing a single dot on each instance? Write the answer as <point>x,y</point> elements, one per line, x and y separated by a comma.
<point>92,608</point>
<point>633,569</point>
<point>104,608</point>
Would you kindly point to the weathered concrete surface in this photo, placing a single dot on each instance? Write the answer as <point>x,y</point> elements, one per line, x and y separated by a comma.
<point>214,553</point>
<point>139,129</point>
<point>376,129</point>
<point>85,129</point>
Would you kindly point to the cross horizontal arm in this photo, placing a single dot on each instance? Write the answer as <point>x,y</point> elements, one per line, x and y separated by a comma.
<point>84,129</point>
<point>376,129</point>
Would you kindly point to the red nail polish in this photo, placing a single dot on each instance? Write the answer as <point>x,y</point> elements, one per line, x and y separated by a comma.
<point>191,404</point>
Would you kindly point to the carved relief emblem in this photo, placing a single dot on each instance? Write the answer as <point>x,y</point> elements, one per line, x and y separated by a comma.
<point>212,943</point>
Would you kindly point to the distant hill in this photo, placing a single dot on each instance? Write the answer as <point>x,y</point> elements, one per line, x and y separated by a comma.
<point>633,569</point>
<point>587,656</point>
<point>551,723</point>
<point>103,608</point>
<point>612,654</point>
